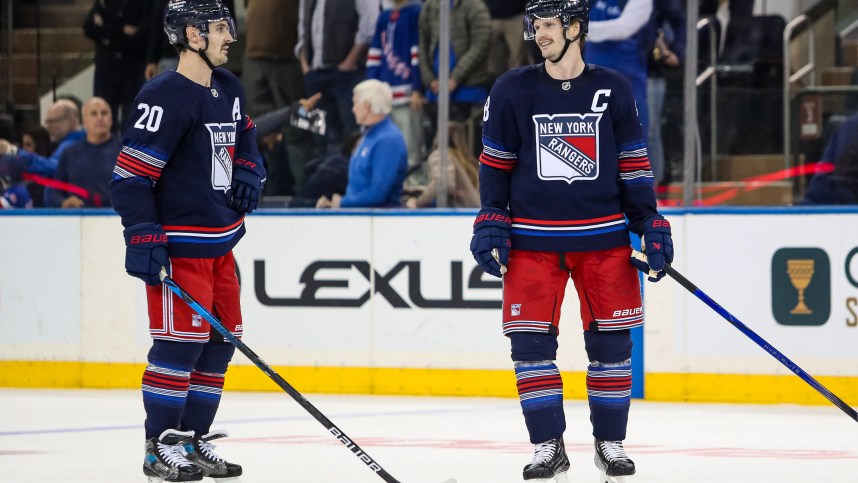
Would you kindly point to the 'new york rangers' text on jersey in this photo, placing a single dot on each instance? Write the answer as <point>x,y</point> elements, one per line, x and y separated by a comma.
<point>177,158</point>
<point>567,158</point>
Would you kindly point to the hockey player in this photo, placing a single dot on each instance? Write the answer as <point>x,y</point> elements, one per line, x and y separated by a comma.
<point>188,173</point>
<point>563,165</point>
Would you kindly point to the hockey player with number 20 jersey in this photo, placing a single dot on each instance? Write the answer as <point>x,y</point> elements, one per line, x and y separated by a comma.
<point>188,173</point>
<point>564,178</point>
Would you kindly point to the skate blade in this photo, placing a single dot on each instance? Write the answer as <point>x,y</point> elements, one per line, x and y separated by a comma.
<point>154,479</point>
<point>558,478</point>
<point>603,478</point>
<point>231,479</point>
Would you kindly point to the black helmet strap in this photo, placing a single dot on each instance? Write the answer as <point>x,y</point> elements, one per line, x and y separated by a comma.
<point>568,43</point>
<point>202,52</point>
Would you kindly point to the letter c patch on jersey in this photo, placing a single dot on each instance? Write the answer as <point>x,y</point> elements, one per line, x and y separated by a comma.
<point>568,146</point>
<point>602,106</point>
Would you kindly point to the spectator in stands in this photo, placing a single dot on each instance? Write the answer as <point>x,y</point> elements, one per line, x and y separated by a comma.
<point>665,38</point>
<point>327,175</point>
<point>836,183</point>
<point>13,189</point>
<point>613,42</point>
<point>78,104</point>
<point>85,168</point>
<point>160,55</point>
<point>738,8</point>
<point>120,30</point>
<point>470,32</point>
<point>379,164</point>
<point>63,125</point>
<point>37,141</point>
<point>333,39</point>
<point>393,59</point>
<point>273,80</point>
<point>508,48</point>
<point>462,174</point>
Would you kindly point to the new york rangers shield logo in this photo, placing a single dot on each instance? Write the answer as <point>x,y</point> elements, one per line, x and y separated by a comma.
<point>567,146</point>
<point>223,152</point>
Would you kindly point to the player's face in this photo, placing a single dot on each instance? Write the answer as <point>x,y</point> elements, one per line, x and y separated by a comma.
<point>549,36</point>
<point>219,40</point>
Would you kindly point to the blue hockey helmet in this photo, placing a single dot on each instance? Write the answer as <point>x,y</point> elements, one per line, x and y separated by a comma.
<point>180,14</point>
<point>565,10</point>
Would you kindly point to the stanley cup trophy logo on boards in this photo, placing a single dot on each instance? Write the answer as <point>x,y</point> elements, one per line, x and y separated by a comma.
<point>800,274</point>
<point>801,286</point>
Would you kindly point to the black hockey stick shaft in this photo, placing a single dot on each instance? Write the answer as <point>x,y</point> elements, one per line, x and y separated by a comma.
<point>793,367</point>
<point>241,346</point>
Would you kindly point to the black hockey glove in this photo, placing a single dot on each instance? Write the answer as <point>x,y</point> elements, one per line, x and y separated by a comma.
<point>146,252</point>
<point>492,234</point>
<point>246,185</point>
<point>657,246</point>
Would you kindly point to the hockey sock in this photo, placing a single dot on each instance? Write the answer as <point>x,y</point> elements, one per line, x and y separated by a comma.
<point>206,386</point>
<point>165,384</point>
<point>609,389</point>
<point>540,391</point>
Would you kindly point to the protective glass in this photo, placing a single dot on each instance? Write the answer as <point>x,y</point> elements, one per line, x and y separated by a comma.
<point>529,29</point>
<point>230,26</point>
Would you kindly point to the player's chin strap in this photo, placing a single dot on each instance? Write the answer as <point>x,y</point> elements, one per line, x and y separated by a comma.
<point>565,47</point>
<point>202,53</point>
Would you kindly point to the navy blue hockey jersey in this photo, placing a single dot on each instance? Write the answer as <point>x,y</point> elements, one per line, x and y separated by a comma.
<point>567,158</point>
<point>177,158</point>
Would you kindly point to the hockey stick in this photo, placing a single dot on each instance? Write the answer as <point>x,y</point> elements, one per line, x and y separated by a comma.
<point>756,338</point>
<point>241,346</point>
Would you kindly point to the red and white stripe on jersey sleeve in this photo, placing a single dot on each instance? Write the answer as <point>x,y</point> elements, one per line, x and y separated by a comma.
<point>140,160</point>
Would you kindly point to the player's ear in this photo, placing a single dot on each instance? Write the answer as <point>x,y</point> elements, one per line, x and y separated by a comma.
<point>573,29</point>
<point>192,33</point>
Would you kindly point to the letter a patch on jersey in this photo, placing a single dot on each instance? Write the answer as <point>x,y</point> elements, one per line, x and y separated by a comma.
<point>223,152</point>
<point>567,146</point>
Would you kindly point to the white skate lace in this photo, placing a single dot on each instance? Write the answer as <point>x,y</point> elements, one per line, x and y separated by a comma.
<point>208,450</point>
<point>175,455</point>
<point>543,452</point>
<point>613,450</point>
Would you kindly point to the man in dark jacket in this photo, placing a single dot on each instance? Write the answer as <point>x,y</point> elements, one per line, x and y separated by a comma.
<point>836,183</point>
<point>333,40</point>
<point>120,30</point>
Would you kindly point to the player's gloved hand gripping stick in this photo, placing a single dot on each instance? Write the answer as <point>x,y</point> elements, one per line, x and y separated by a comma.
<point>146,252</point>
<point>330,426</point>
<point>753,336</point>
<point>657,246</point>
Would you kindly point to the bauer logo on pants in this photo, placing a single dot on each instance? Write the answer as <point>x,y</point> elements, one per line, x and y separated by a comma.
<point>568,146</point>
<point>801,286</point>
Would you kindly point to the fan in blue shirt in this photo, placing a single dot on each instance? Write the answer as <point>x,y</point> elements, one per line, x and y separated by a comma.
<point>379,164</point>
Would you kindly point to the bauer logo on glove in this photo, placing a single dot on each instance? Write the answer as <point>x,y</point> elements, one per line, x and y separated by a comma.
<point>657,246</point>
<point>490,244</point>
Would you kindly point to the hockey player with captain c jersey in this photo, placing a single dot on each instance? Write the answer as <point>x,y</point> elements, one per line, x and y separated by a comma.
<point>564,164</point>
<point>188,173</point>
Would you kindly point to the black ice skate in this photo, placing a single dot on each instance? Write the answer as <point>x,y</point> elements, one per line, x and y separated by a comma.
<point>613,462</point>
<point>549,463</point>
<point>166,459</point>
<point>201,454</point>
